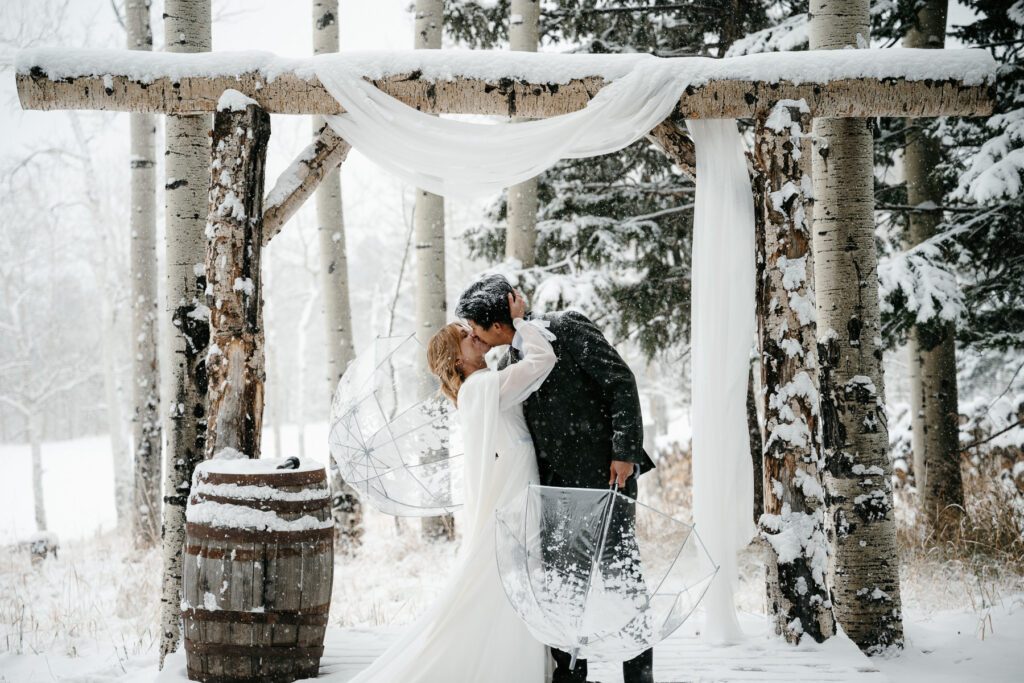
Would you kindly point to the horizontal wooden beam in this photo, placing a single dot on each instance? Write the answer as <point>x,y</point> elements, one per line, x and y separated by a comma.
<point>192,91</point>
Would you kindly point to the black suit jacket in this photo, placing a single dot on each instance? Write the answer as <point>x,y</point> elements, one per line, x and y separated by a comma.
<point>587,411</point>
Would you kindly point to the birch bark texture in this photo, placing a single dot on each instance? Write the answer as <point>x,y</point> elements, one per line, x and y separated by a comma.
<point>793,522</point>
<point>147,428</point>
<point>347,509</point>
<point>187,168</point>
<point>428,216</point>
<point>521,234</point>
<point>235,361</point>
<point>934,409</point>
<point>864,575</point>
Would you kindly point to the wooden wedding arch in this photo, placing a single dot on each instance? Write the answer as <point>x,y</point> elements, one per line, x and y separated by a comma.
<point>781,92</point>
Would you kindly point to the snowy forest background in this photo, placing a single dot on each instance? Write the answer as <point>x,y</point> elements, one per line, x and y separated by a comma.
<point>613,241</point>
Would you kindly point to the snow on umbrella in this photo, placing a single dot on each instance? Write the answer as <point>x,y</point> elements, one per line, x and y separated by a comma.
<point>389,432</point>
<point>594,573</point>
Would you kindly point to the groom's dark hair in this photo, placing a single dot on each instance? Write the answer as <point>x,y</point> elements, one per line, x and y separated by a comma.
<point>485,302</point>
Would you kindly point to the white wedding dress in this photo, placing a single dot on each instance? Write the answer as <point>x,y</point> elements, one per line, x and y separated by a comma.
<point>471,634</point>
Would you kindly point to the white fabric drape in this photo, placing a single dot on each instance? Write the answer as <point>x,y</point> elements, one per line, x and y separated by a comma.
<point>451,157</point>
<point>722,330</point>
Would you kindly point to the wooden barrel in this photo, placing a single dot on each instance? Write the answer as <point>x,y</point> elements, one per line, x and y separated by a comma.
<point>257,571</point>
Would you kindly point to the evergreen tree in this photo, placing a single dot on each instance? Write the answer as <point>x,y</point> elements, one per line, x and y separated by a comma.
<point>973,270</point>
<point>613,232</point>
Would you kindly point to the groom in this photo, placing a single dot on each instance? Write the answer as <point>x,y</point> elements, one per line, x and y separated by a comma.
<point>585,419</point>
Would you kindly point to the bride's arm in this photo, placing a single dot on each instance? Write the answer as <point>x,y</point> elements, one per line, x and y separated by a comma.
<point>521,379</point>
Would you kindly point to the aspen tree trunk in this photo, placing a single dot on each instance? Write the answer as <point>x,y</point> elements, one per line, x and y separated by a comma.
<point>793,522</point>
<point>123,488</point>
<point>347,508</point>
<point>148,432</point>
<point>934,410</point>
<point>187,159</point>
<point>431,306</point>
<point>36,447</point>
<point>521,236</point>
<point>235,361</point>
<point>865,570</point>
<point>302,375</point>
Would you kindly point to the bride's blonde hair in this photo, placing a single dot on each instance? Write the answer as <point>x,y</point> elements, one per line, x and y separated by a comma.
<point>443,356</point>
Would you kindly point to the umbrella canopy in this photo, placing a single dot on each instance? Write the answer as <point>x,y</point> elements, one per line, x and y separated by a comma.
<point>390,432</point>
<point>594,573</point>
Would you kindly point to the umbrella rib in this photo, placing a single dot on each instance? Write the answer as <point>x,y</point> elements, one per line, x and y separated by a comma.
<point>387,425</point>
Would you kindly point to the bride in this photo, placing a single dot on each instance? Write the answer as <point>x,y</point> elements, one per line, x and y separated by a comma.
<point>471,634</point>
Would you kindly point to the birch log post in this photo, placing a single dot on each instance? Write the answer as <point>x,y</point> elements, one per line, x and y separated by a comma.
<point>187,167</point>
<point>148,432</point>
<point>431,301</point>
<point>521,233</point>
<point>235,361</point>
<point>865,569</point>
<point>934,409</point>
<point>793,522</point>
<point>345,504</point>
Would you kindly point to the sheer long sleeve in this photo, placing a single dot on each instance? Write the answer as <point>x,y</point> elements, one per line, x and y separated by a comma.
<point>519,380</point>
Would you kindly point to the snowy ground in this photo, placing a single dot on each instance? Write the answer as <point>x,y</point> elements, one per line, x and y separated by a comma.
<point>88,615</point>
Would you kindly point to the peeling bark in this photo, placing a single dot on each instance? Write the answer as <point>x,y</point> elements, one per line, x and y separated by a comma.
<point>235,360</point>
<point>865,571</point>
<point>794,501</point>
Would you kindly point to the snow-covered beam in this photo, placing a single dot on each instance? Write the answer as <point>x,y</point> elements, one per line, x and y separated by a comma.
<point>833,83</point>
<point>300,180</point>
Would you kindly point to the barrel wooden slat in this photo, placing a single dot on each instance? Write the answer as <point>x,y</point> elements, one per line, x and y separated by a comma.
<point>257,601</point>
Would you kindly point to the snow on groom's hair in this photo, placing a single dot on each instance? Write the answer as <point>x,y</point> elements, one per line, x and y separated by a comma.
<point>485,302</point>
<point>443,356</point>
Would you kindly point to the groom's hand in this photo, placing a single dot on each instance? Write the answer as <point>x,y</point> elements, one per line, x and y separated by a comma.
<point>621,471</point>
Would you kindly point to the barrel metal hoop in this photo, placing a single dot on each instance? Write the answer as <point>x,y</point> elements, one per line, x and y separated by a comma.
<point>201,531</point>
<point>282,478</point>
<point>259,551</point>
<point>298,672</point>
<point>267,505</point>
<point>312,616</point>
<point>278,651</point>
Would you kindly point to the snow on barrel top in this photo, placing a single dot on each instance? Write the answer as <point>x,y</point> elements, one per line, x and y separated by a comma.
<point>249,466</point>
<point>227,493</point>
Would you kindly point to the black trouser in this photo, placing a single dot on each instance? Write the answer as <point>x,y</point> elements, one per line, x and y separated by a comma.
<point>620,542</point>
<point>640,669</point>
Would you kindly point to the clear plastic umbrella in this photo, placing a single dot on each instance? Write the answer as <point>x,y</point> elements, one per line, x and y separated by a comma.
<point>594,573</point>
<point>390,432</point>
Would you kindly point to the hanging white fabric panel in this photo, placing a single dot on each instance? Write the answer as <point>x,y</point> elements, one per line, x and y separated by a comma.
<point>722,322</point>
<point>451,157</point>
